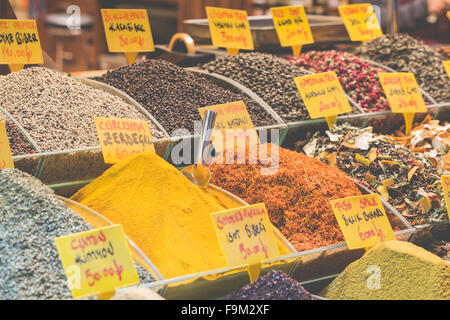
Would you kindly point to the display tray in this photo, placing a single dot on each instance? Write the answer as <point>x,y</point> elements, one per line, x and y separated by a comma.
<point>325,29</point>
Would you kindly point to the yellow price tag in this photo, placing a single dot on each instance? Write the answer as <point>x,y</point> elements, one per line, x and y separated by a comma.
<point>229,29</point>
<point>446,190</point>
<point>19,43</point>
<point>97,262</point>
<point>403,95</point>
<point>360,21</point>
<point>127,30</point>
<point>292,27</point>
<point>362,220</point>
<point>323,96</point>
<point>246,236</point>
<point>121,138</point>
<point>6,160</point>
<point>447,67</point>
<point>233,126</point>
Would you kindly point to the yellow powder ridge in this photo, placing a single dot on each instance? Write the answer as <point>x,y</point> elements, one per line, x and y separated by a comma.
<point>167,216</point>
<point>393,270</point>
<point>161,211</point>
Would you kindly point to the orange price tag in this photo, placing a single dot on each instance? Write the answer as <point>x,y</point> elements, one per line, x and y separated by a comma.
<point>229,29</point>
<point>19,43</point>
<point>97,262</point>
<point>6,160</point>
<point>128,31</point>
<point>403,94</point>
<point>360,21</point>
<point>362,220</point>
<point>121,138</point>
<point>233,126</point>
<point>292,27</point>
<point>323,96</point>
<point>245,235</point>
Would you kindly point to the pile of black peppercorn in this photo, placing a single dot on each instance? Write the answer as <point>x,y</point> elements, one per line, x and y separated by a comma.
<point>173,95</point>
<point>275,285</point>
<point>270,77</point>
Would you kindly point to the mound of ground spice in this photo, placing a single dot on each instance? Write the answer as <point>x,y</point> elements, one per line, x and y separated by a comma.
<point>297,195</point>
<point>393,270</point>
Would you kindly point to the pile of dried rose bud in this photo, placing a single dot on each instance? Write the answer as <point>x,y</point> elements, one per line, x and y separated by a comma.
<point>358,78</point>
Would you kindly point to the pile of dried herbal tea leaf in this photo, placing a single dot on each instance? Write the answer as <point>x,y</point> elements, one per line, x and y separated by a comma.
<point>429,139</point>
<point>407,179</point>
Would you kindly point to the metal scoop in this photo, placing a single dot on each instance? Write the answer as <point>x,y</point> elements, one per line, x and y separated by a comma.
<point>197,173</point>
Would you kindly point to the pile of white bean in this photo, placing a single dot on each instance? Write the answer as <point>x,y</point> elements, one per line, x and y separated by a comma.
<point>57,111</point>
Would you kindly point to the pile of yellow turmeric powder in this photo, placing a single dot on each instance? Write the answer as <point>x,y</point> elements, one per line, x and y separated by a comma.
<point>167,216</point>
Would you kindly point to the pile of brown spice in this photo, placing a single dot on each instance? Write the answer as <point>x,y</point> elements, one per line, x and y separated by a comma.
<point>297,195</point>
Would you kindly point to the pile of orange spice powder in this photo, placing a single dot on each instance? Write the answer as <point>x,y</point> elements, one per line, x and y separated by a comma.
<point>297,195</point>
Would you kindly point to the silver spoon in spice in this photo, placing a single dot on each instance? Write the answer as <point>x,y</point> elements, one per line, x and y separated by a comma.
<point>197,173</point>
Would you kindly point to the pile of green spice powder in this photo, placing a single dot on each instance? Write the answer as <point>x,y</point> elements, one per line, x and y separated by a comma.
<point>408,180</point>
<point>31,217</point>
<point>393,270</point>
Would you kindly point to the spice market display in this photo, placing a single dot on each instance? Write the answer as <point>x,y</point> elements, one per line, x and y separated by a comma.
<point>308,211</point>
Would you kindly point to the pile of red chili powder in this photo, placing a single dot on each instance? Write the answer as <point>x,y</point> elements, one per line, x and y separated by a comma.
<point>296,196</point>
<point>358,78</point>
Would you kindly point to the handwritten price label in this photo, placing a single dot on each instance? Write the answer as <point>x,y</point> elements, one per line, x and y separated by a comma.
<point>121,138</point>
<point>447,67</point>
<point>127,30</point>
<point>6,160</point>
<point>360,21</point>
<point>229,28</point>
<point>323,95</point>
<point>19,42</point>
<point>245,235</point>
<point>233,126</point>
<point>402,92</point>
<point>446,190</point>
<point>362,220</point>
<point>292,26</point>
<point>97,261</point>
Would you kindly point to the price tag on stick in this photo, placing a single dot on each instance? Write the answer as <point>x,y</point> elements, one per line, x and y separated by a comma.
<point>121,138</point>
<point>229,29</point>
<point>323,96</point>
<point>19,43</point>
<point>404,95</point>
<point>446,190</point>
<point>97,262</point>
<point>362,220</point>
<point>292,27</point>
<point>233,126</point>
<point>447,67</point>
<point>128,31</point>
<point>6,160</point>
<point>360,21</point>
<point>246,237</point>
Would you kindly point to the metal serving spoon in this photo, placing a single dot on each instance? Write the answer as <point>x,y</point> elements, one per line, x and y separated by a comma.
<point>197,173</point>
